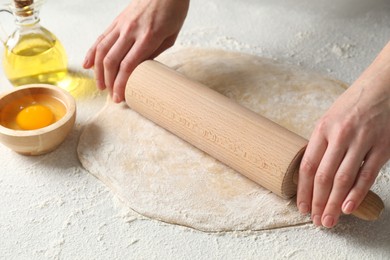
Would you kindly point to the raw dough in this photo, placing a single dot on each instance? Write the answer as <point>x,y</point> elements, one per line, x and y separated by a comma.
<point>162,177</point>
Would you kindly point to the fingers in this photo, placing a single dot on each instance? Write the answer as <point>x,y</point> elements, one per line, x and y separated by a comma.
<point>146,48</point>
<point>308,168</point>
<point>116,57</point>
<point>138,53</point>
<point>343,181</point>
<point>337,178</point>
<point>366,178</point>
<point>112,60</point>
<point>332,179</point>
<point>103,47</point>
<point>142,31</point>
<point>89,59</point>
<point>323,181</point>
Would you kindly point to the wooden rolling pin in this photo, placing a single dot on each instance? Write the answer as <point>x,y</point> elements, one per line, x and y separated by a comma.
<point>253,145</point>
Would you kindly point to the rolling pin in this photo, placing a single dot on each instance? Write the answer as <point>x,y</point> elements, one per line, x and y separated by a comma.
<point>251,144</point>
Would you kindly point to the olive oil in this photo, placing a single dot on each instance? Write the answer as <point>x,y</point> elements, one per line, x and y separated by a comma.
<point>35,59</point>
<point>32,54</point>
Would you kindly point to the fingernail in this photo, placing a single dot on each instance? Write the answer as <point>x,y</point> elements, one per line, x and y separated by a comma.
<point>100,85</point>
<point>328,221</point>
<point>85,63</point>
<point>116,99</point>
<point>303,208</point>
<point>316,220</point>
<point>348,207</point>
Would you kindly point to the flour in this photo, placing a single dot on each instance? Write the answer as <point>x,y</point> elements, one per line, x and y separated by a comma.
<point>48,212</point>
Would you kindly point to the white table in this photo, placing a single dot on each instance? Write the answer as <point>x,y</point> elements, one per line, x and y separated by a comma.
<point>51,208</point>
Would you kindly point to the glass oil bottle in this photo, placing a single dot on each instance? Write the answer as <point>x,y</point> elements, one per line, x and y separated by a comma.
<point>32,54</point>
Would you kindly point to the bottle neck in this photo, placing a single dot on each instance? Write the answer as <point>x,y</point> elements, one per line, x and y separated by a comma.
<point>27,19</point>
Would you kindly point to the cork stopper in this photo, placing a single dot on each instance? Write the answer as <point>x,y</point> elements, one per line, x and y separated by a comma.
<point>24,7</point>
<point>23,3</point>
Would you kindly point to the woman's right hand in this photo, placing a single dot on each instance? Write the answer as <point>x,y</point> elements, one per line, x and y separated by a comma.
<point>142,31</point>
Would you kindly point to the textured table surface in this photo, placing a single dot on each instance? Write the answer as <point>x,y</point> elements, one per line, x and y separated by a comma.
<point>51,208</point>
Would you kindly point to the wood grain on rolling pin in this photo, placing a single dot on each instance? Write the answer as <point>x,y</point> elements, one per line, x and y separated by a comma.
<point>258,148</point>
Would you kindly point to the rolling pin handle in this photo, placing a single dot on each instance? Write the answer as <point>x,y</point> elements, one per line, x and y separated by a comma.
<point>370,209</point>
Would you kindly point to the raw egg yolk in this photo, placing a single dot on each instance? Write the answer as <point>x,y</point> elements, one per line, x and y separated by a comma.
<point>34,117</point>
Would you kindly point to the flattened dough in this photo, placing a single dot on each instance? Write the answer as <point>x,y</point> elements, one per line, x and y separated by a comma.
<point>162,177</point>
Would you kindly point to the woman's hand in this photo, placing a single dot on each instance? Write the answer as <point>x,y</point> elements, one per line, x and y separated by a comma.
<point>348,147</point>
<point>142,31</point>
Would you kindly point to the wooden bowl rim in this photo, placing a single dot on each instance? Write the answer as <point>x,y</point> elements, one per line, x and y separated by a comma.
<point>65,97</point>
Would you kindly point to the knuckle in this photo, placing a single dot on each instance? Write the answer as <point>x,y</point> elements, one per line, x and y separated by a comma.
<point>362,138</point>
<point>102,47</point>
<point>342,133</point>
<point>101,37</point>
<point>148,36</point>
<point>322,125</point>
<point>109,62</point>
<point>126,66</point>
<point>307,168</point>
<point>346,130</point>
<point>130,27</point>
<point>322,178</point>
<point>367,175</point>
<point>343,180</point>
<point>338,131</point>
<point>318,206</point>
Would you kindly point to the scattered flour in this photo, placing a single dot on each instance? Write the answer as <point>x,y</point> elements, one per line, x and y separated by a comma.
<point>50,210</point>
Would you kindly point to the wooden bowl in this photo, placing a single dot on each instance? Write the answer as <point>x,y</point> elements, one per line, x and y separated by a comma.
<point>45,139</point>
